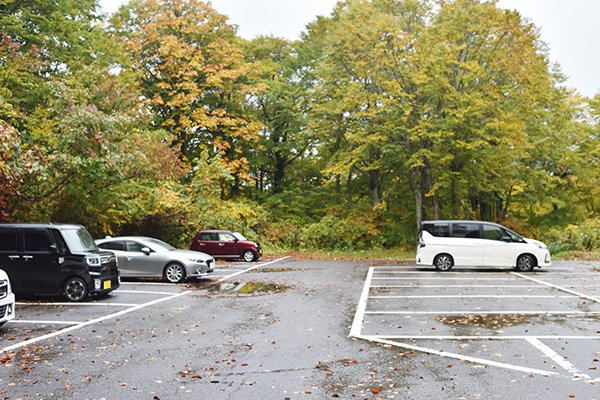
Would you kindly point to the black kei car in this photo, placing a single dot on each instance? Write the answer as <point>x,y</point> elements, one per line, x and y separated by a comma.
<point>61,259</point>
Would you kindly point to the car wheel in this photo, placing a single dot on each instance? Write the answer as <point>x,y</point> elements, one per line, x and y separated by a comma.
<point>76,289</point>
<point>443,262</point>
<point>249,256</point>
<point>525,263</point>
<point>174,273</point>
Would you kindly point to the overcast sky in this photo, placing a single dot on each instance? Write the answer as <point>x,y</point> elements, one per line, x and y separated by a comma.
<point>569,27</point>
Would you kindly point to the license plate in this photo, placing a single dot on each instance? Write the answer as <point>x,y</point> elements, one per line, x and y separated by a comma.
<point>106,285</point>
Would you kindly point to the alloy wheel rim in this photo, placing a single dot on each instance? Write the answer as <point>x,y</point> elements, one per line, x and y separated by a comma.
<point>174,273</point>
<point>75,290</point>
<point>444,263</point>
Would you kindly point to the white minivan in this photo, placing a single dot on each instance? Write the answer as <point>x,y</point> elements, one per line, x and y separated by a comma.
<point>7,299</point>
<point>444,244</point>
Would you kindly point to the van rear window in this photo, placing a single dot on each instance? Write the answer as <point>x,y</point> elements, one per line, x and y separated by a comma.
<point>437,229</point>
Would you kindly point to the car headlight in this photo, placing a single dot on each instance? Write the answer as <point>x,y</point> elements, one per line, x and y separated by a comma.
<point>197,260</point>
<point>93,261</point>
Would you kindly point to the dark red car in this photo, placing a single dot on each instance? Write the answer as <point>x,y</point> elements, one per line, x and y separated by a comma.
<point>226,244</point>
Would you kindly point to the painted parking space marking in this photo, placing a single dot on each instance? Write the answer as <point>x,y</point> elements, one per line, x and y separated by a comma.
<point>562,288</point>
<point>558,359</point>
<point>145,292</point>
<point>446,354</point>
<point>483,312</point>
<point>75,325</point>
<point>46,322</point>
<point>443,279</point>
<point>20,303</point>
<point>90,322</point>
<point>475,296</point>
<point>376,275</point>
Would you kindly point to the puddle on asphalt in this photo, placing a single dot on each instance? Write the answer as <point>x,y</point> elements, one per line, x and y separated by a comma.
<point>490,321</point>
<point>244,288</point>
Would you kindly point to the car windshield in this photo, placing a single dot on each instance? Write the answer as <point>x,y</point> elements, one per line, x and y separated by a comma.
<point>238,236</point>
<point>515,237</point>
<point>78,240</point>
<point>159,246</point>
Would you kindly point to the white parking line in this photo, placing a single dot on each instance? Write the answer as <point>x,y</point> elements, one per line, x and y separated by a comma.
<point>459,356</point>
<point>488,337</point>
<point>33,321</point>
<point>439,278</point>
<point>149,283</point>
<point>361,307</point>
<point>76,304</point>
<point>481,312</point>
<point>562,288</point>
<point>473,286</point>
<point>560,360</point>
<point>145,292</point>
<point>90,322</point>
<point>475,296</point>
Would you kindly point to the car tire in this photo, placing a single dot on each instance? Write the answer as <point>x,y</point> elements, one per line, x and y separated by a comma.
<point>76,289</point>
<point>443,262</point>
<point>249,256</point>
<point>174,273</point>
<point>525,263</point>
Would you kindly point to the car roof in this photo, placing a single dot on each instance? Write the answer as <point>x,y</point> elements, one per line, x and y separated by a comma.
<point>439,221</point>
<point>215,230</point>
<point>41,225</point>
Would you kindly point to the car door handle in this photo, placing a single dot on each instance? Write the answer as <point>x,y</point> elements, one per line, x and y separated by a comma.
<point>221,244</point>
<point>14,257</point>
<point>202,244</point>
<point>27,257</point>
<point>129,258</point>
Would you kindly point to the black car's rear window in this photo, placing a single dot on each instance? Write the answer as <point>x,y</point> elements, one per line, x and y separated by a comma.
<point>8,240</point>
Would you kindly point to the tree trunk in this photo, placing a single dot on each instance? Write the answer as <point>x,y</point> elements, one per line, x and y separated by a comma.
<point>374,188</point>
<point>338,189</point>
<point>349,190</point>
<point>412,179</point>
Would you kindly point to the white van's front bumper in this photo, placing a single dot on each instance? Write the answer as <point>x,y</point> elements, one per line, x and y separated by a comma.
<point>7,305</point>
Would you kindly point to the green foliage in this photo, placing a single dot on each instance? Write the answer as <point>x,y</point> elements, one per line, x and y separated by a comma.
<point>583,237</point>
<point>163,122</point>
<point>354,232</point>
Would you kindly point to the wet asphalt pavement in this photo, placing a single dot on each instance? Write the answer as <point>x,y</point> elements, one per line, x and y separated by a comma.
<point>467,334</point>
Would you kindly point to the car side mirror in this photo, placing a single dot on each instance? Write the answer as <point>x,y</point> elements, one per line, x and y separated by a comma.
<point>146,250</point>
<point>54,249</point>
<point>506,239</point>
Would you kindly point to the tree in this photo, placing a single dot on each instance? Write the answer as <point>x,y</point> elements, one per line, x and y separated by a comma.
<point>281,108</point>
<point>194,78</point>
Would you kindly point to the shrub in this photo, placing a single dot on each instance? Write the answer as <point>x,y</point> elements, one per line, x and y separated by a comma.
<point>582,237</point>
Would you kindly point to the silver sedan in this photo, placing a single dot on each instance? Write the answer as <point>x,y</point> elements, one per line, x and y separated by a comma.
<point>141,257</point>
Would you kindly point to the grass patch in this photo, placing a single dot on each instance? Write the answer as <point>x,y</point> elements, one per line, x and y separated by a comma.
<point>371,254</point>
<point>576,255</point>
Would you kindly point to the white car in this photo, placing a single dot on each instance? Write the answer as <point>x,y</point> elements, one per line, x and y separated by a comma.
<point>140,257</point>
<point>7,299</point>
<point>444,244</point>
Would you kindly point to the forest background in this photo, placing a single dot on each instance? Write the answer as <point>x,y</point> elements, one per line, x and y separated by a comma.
<point>162,121</point>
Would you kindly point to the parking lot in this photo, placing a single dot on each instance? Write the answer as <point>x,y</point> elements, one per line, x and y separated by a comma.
<point>330,329</point>
<point>41,319</point>
<point>543,323</point>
